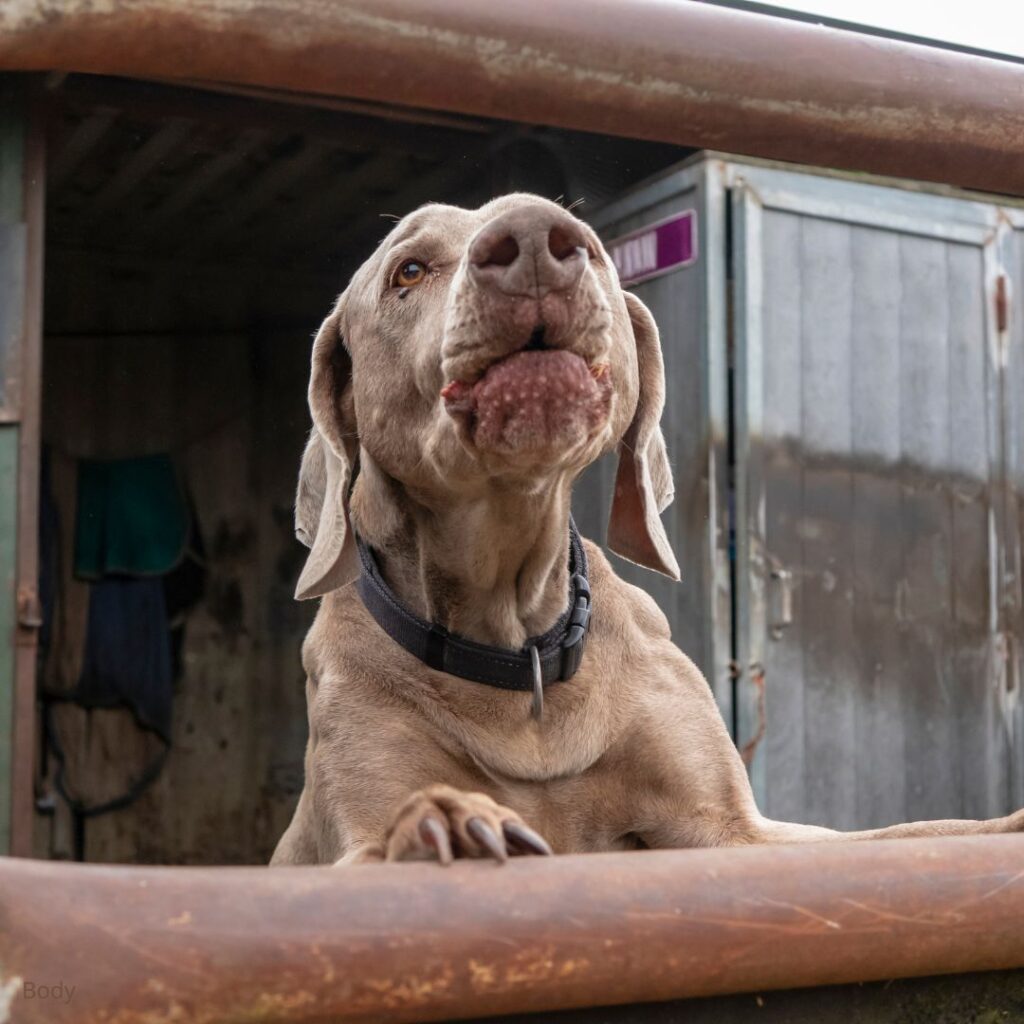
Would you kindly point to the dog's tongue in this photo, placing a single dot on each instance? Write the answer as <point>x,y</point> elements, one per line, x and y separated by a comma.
<point>530,399</point>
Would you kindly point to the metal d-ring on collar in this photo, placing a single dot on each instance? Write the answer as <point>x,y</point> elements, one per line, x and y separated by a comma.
<point>553,657</point>
<point>537,704</point>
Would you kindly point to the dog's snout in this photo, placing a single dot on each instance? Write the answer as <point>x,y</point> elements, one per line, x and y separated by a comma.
<point>529,252</point>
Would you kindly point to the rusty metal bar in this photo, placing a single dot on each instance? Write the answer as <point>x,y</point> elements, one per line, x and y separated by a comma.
<point>683,72</point>
<point>419,942</point>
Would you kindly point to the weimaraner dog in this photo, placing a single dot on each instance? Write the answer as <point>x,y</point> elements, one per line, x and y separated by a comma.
<point>480,682</point>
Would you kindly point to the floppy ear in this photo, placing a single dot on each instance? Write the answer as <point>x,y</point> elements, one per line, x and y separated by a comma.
<point>643,482</point>
<point>321,503</point>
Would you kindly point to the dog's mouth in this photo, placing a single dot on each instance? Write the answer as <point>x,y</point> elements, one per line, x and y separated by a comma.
<point>537,397</point>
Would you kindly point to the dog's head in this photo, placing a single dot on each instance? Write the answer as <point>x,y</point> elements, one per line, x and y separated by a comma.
<point>483,349</point>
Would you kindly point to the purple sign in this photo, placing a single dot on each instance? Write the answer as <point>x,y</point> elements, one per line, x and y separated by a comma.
<point>655,249</point>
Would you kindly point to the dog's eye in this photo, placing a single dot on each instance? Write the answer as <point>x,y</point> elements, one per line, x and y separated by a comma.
<point>410,273</point>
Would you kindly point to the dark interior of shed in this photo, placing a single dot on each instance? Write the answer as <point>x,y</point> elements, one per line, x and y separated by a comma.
<point>194,240</point>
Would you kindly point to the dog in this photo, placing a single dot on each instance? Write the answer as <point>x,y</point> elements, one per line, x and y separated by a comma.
<point>480,682</point>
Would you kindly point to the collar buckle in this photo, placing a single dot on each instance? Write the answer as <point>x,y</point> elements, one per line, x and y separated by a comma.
<point>575,641</point>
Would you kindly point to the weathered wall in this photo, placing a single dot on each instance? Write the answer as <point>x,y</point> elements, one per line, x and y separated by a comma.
<point>230,405</point>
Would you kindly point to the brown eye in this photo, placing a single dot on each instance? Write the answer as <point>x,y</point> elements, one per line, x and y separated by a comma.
<point>410,273</point>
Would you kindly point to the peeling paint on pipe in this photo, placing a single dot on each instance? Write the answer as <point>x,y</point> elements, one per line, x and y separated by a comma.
<point>418,942</point>
<point>680,72</point>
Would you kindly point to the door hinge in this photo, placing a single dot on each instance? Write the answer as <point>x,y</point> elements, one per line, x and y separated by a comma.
<point>780,600</point>
<point>1002,304</point>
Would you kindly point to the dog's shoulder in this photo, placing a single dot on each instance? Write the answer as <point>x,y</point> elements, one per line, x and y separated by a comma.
<point>628,629</point>
<point>325,639</point>
<point>343,640</point>
<point>620,606</point>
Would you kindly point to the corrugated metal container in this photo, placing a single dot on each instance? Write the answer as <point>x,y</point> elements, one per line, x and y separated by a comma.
<point>844,416</point>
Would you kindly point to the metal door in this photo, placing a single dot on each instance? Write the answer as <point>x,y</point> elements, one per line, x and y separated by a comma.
<point>875,552</point>
<point>688,303</point>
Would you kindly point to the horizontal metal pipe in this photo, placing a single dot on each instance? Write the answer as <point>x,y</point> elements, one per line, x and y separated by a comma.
<point>682,72</point>
<point>419,942</point>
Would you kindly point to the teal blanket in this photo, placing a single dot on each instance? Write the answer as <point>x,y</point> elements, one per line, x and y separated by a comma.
<point>132,518</point>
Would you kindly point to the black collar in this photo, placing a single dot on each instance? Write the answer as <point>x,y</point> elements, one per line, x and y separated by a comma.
<point>550,658</point>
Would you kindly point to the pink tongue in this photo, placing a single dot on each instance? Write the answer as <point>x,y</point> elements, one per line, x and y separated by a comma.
<point>538,374</point>
<point>535,398</point>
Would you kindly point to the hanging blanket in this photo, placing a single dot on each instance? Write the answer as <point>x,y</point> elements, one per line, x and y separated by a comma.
<point>128,652</point>
<point>132,518</point>
<point>108,660</point>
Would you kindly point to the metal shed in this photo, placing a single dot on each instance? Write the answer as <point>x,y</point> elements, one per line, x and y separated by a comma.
<point>192,238</point>
<point>844,366</point>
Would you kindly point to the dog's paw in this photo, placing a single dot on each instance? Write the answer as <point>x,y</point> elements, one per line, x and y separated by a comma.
<point>441,823</point>
<point>1015,821</point>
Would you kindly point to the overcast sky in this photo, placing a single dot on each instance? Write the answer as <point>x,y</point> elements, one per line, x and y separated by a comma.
<point>996,25</point>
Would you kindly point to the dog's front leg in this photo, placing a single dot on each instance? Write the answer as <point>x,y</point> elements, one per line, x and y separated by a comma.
<point>740,824</point>
<point>786,832</point>
<point>747,828</point>
<point>728,828</point>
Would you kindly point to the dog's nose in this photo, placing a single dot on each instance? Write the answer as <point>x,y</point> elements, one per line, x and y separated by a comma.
<point>529,252</point>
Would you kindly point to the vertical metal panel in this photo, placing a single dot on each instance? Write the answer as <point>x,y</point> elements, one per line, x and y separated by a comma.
<point>21,214</point>
<point>8,527</point>
<point>749,515</point>
<point>24,726</point>
<point>1008,348</point>
<point>875,513</point>
<point>825,526</point>
<point>714,242</point>
<point>864,446</point>
<point>977,437</point>
<point>12,276</point>
<point>783,744</point>
<point>693,423</point>
<point>925,611</point>
<point>12,248</point>
<point>12,290</point>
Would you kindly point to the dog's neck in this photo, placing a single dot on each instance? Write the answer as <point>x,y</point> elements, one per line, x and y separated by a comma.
<point>494,569</point>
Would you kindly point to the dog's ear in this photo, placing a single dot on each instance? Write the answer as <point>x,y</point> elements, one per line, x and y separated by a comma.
<point>321,503</point>
<point>643,482</point>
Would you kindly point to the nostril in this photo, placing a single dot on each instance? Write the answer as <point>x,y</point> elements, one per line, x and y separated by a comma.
<point>501,253</point>
<point>564,242</point>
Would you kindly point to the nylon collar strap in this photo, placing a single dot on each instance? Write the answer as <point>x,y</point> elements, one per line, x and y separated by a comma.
<point>550,658</point>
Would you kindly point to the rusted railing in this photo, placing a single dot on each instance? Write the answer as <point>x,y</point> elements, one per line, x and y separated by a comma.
<point>419,942</point>
<point>684,72</point>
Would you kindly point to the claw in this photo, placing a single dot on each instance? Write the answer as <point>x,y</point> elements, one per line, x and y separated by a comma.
<point>524,839</point>
<point>488,838</point>
<point>434,834</point>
